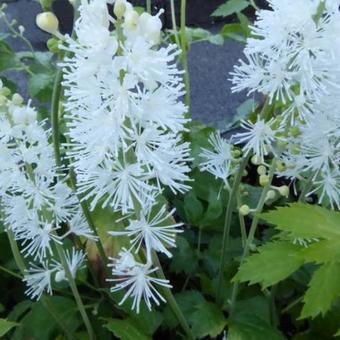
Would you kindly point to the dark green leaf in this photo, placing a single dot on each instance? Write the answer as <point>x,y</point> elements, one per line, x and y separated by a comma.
<point>208,319</point>
<point>125,330</point>
<point>6,326</point>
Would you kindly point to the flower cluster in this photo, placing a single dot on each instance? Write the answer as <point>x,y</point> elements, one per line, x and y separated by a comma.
<point>34,201</point>
<point>125,119</point>
<point>292,59</point>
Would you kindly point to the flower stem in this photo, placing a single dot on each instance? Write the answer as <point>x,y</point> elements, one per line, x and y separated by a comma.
<point>16,253</point>
<point>252,231</point>
<point>148,6</point>
<point>75,291</point>
<point>241,219</point>
<point>171,299</point>
<point>55,117</point>
<point>184,57</point>
<point>227,226</point>
<point>174,24</point>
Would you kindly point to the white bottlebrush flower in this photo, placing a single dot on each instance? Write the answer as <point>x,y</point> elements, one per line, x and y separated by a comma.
<point>217,161</point>
<point>79,226</point>
<point>124,113</point>
<point>75,261</point>
<point>258,138</point>
<point>137,280</point>
<point>327,186</point>
<point>38,280</point>
<point>154,230</point>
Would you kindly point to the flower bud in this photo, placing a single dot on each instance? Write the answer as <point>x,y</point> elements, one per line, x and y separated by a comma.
<point>131,20</point>
<point>296,149</point>
<point>151,27</point>
<point>295,131</point>
<point>264,180</point>
<point>236,153</point>
<point>60,276</point>
<point>119,8</point>
<point>270,195</point>
<point>281,166</point>
<point>21,29</point>
<point>244,210</point>
<point>47,22</point>
<point>3,100</point>
<point>283,190</point>
<point>53,45</point>
<point>256,160</point>
<point>5,91</point>
<point>261,170</point>
<point>17,99</point>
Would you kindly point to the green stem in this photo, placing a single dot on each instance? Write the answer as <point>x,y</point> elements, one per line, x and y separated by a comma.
<point>171,300</point>
<point>241,219</point>
<point>16,253</point>
<point>174,23</point>
<point>291,305</point>
<point>10,272</point>
<point>199,241</point>
<point>55,116</point>
<point>252,231</point>
<point>227,226</point>
<point>148,6</point>
<point>184,58</point>
<point>75,291</point>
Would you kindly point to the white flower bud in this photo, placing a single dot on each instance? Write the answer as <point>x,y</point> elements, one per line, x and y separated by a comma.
<point>151,27</point>
<point>256,160</point>
<point>131,20</point>
<point>270,195</point>
<point>119,8</point>
<point>264,180</point>
<point>244,210</point>
<point>261,170</point>
<point>60,276</point>
<point>283,190</point>
<point>47,22</point>
<point>17,99</point>
<point>21,29</point>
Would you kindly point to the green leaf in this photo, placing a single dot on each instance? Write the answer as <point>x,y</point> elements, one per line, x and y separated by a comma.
<point>242,112</point>
<point>322,252</point>
<point>199,34</point>
<point>252,327</point>
<point>305,221</point>
<point>8,59</point>
<point>274,262</point>
<point>125,330</point>
<point>184,257</point>
<point>193,208</point>
<point>40,86</point>
<point>6,326</point>
<point>208,319</point>
<point>230,7</point>
<point>233,31</point>
<point>324,288</point>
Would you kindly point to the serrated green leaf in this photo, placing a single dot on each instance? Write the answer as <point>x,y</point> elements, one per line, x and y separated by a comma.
<point>322,252</point>
<point>274,262</point>
<point>230,7</point>
<point>125,330</point>
<point>324,288</point>
<point>184,257</point>
<point>6,326</point>
<point>208,319</point>
<point>305,221</point>
<point>193,208</point>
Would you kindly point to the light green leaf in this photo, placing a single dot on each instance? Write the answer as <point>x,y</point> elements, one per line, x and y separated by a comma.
<point>322,252</point>
<point>324,288</point>
<point>305,221</point>
<point>125,330</point>
<point>274,262</point>
<point>6,326</point>
<point>208,319</point>
<point>230,7</point>
<point>40,85</point>
<point>233,31</point>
